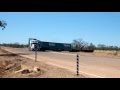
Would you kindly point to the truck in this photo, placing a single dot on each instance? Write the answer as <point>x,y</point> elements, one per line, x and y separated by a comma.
<point>38,45</point>
<point>43,45</point>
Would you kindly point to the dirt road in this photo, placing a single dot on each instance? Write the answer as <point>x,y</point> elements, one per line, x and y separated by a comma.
<point>15,66</point>
<point>98,67</point>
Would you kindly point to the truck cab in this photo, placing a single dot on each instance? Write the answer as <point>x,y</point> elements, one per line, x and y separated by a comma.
<point>33,45</point>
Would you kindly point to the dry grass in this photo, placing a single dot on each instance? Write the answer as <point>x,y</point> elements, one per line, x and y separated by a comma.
<point>102,53</point>
<point>107,53</point>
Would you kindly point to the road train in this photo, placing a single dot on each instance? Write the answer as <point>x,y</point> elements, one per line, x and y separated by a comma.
<point>38,45</point>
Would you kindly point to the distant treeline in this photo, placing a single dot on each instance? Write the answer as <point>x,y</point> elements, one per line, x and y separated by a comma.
<point>82,45</point>
<point>15,45</point>
<point>105,47</point>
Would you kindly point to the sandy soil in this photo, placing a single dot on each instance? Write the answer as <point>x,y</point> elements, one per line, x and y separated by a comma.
<point>12,66</point>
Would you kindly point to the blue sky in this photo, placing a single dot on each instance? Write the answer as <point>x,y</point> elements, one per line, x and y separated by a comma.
<point>95,27</point>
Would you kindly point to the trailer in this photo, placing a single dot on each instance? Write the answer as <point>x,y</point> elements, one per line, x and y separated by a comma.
<point>42,46</point>
<point>54,46</point>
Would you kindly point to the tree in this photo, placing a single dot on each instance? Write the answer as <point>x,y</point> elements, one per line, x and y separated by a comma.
<point>101,46</point>
<point>82,44</point>
<point>76,44</point>
<point>3,24</point>
<point>79,44</point>
<point>92,46</point>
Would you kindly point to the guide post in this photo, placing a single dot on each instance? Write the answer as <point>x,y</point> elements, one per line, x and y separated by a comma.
<point>35,52</point>
<point>77,63</point>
